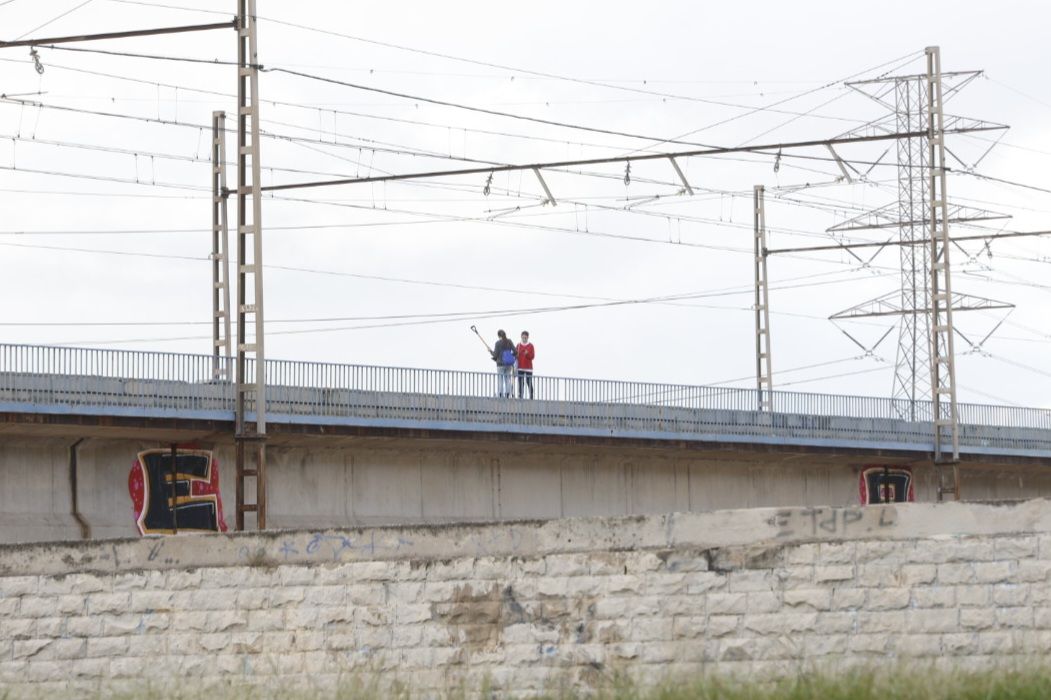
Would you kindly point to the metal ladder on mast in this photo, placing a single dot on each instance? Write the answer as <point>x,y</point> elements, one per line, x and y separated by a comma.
<point>249,434</point>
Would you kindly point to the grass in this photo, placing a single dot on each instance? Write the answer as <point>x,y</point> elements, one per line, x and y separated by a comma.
<point>891,683</point>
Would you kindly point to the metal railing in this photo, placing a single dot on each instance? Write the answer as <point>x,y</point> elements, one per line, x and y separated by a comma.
<point>176,381</point>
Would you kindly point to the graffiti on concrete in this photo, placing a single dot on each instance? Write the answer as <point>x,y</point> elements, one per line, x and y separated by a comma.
<point>183,499</point>
<point>883,484</point>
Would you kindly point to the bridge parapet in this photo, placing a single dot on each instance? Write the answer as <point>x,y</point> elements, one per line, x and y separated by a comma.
<point>37,379</point>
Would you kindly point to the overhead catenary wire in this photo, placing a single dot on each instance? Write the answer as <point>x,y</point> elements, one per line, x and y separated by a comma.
<point>530,72</point>
<point>55,19</point>
<point>147,3</point>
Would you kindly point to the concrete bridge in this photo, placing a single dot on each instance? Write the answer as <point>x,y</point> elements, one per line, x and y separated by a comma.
<point>352,444</point>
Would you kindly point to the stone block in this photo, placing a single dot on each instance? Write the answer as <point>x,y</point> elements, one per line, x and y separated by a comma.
<point>658,652</point>
<point>645,629</point>
<point>993,571</point>
<point>996,643</point>
<point>141,601</point>
<point>977,618</point>
<point>888,599</point>
<point>722,625</point>
<point>12,586</point>
<point>674,605</point>
<point>1015,618</point>
<point>225,577</point>
<point>297,575</point>
<point>452,570</point>
<point>286,596</point>
<point>780,623</point>
<point>892,621</point>
<point>252,599</point>
<point>625,584</point>
<point>1016,547</point>
<point>959,644</point>
<point>763,602</point>
<point>686,561</point>
<point>179,579</point>
<point>567,564</point>
<point>642,562</point>
<point>917,646</point>
<point>82,626</point>
<point>750,581</point>
<point>106,646</point>
<point>869,644</point>
<point>98,603</point>
<point>1032,642</point>
<point>135,581</point>
<point>949,574</point>
<point>802,554</point>
<point>599,564</point>
<point>934,597</point>
<point>880,575</point>
<point>795,577</point>
<point>839,552</point>
<point>700,582</point>
<point>325,596</point>
<point>217,599</point>
<point>829,574</point>
<point>1010,595</point>
<point>836,622</point>
<point>32,606</point>
<point>917,574</point>
<point>727,603</point>
<point>932,620</point>
<point>848,598</point>
<point>28,648</point>
<point>973,596</point>
<point>1033,571</point>
<point>18,628</point>
<point>690,627</point>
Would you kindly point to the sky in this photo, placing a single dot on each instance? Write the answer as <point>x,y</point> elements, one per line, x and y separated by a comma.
<point>105,204</point>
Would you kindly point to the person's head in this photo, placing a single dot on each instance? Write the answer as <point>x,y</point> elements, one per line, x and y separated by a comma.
<point>525,336</point>
<point>501,335</point>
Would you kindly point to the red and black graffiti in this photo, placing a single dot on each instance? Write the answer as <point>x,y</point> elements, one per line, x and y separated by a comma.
<point>183,499</point>
<point>884,484</point>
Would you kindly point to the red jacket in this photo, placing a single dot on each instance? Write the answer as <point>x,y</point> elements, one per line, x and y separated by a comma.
<point>526,353</point>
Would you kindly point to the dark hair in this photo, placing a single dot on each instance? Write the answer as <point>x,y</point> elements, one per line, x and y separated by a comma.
<point>501,334</point>
<point>525,332</point>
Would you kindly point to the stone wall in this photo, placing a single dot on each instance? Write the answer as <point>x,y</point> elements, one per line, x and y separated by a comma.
<point>530,605</point>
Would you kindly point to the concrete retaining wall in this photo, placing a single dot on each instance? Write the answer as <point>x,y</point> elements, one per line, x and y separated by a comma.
<point>327,484</point>
<point>531,604</point>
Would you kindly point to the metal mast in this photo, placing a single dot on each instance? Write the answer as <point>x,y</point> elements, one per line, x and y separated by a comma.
<point>250,435</point>
<point>942,356</point>
<point>764,375</point>
<point>220,253</point>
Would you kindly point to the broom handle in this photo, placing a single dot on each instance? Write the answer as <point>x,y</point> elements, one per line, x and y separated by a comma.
<point>480,338</point>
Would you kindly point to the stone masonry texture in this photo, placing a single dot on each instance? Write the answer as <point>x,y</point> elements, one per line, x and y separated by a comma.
<point>531,606</point>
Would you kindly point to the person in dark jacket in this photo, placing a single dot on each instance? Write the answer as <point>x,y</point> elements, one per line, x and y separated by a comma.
<point>504,355</point>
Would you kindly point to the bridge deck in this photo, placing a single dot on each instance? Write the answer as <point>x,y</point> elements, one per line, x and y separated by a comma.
<point>115,383</point>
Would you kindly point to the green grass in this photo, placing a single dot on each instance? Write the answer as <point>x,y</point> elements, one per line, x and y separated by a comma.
<point>890,683</point>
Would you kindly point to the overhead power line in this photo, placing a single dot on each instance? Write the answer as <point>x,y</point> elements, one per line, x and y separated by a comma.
<point>50,21</point>
<point>886,244</point>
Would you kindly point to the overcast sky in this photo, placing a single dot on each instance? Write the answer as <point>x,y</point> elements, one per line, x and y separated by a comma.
<point>122,236</point>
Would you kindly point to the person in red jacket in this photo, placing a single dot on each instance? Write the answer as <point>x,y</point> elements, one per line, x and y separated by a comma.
<point>526,353</point>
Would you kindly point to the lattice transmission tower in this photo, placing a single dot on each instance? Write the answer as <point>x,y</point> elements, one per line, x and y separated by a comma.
<point>919,215</point>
